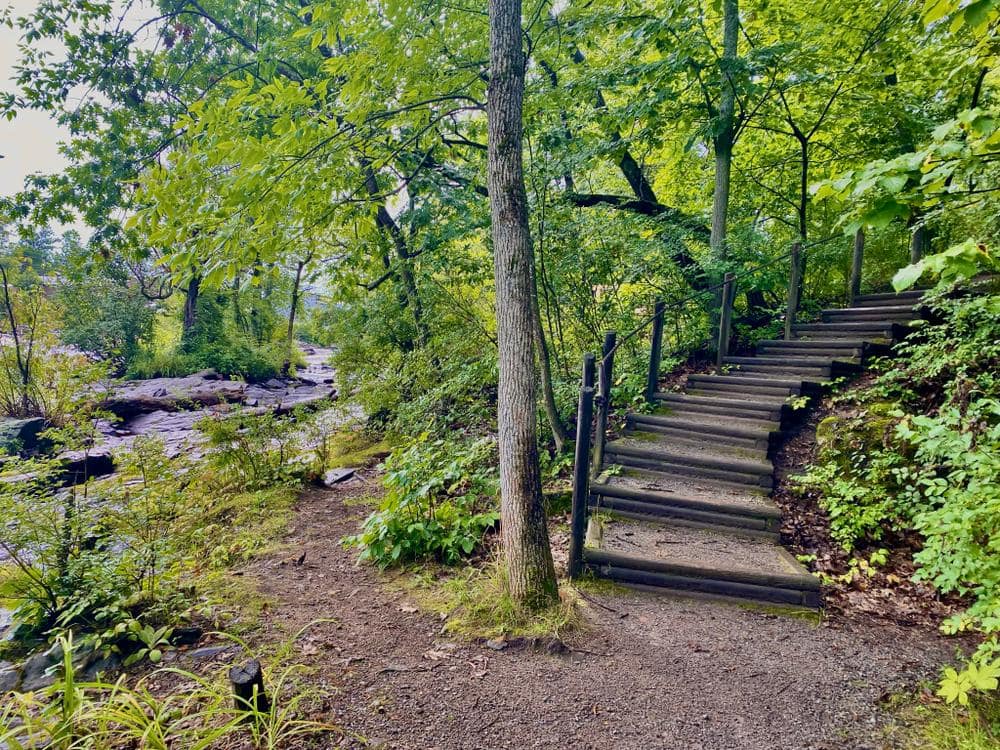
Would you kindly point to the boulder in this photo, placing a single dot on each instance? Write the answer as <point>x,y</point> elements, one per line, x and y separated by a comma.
<point>20,435</point>
<point>43,668</point>
<point>78,466</point>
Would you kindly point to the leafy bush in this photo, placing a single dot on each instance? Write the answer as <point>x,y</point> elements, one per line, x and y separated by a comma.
<point>922,453</point>
<point>254,451</point>
<point>214,342</point>
<point>106,317</point>
<point>440,500</point>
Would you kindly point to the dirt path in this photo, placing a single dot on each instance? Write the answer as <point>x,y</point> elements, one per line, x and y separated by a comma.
<point>648,671</point>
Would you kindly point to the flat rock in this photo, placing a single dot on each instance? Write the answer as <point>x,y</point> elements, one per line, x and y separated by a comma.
<point>335,476</point>
<point>132,399</point>
<point>209,652</point>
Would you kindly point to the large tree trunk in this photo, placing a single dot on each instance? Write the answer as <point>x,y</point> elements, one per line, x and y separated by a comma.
<point>531,578</point>
<point>726,129</point>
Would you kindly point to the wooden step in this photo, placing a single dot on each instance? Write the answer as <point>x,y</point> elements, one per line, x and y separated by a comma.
<point>806,344</point>
<point>725,509</point>
<point>760,408</point>
<point>774,387</point>
<point>860,330</point>
<point>858,310</point>
<point>659,453</point>
<point>728,432</point>
<point>868,314</point>
<point>776,350</point>
<point>911,297</point>
<point>808,375</point>
<point>700,561</point>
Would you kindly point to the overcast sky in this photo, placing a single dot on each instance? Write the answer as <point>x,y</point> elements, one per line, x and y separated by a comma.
<point>29,143</point>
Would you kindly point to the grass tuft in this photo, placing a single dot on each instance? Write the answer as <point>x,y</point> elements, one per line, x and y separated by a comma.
<point>475,604</point>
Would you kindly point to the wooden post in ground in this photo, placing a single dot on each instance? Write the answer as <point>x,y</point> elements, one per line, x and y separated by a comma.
<point>794,275</point>
<point>604,374</point>
<point>581,469</point>
<point>725,319</point>
<point>854,286</point>
<point>655,352</point>
<point>248,687</point>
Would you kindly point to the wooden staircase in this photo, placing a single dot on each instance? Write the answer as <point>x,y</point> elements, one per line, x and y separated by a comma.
<point>681,500</point>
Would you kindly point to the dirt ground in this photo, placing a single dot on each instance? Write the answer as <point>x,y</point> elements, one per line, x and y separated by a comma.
<point>645,671</point>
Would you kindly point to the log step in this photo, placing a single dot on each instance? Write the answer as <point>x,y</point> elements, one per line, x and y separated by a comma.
<point>774,387</point>
<point>742,466</point>
<point>759,408</point>
<point>726,431</point>
<point>911,297</point>
<point>725,509</point>
<point>685,559</point>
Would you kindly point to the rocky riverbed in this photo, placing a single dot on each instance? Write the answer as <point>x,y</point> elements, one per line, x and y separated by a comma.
<point>169,408</point>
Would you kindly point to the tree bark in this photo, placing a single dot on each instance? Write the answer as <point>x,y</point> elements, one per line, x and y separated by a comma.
<point>559,434</point>
<point>726,129</point>
<point>191,303</point>
<point>286,366</point>
<point>528,563</point>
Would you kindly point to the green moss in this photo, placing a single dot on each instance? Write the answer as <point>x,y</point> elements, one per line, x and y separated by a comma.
<point>356,448</point>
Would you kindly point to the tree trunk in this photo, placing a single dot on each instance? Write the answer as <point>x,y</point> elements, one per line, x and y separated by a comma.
<point>286,366</point>
<point>530,574</point>
<point>559,434</point>
<point>726,133</point>
<point>191,303</point>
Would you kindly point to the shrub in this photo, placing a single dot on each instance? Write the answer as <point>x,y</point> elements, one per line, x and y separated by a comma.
<point>106,317</point>
<point>923,454</point>
<point>440,499</point>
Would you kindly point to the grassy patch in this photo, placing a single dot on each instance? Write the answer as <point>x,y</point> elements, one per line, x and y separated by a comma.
<point>941,727</point>
<point>474,604</point>
<point>355,448</point>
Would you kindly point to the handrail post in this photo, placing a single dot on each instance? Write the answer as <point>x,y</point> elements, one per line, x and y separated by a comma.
<point>726,318</point>
<point>604,397</point>
<point>854,288</point>
<point>655,351</point>
<point>581,469</point>
<point>794,275</point>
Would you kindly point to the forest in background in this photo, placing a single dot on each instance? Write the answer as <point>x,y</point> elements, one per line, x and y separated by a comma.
<point>255,177</point>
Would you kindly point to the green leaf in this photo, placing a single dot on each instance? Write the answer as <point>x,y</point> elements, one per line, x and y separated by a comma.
<point>908,276</point>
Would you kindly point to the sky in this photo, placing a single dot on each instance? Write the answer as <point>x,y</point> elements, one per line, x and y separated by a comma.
<point>29,143</point>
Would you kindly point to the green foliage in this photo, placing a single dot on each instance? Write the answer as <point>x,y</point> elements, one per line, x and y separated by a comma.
<point>922,453</point>
<point>254,451</point>
<point>74,715</point>
<point>474,603</point>
<point>440,500</point>
<point>222,339</point>
<point>105,316</point>
<point>111,558</point>
<point>957,263</point>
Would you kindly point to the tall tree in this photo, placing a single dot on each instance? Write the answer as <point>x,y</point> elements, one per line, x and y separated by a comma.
<point>530,573</point>
<point>725,131</point>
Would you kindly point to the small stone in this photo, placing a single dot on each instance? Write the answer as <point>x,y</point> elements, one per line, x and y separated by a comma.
<point>186,636</point>
<point>208,652</point>
<point>496,644</point>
